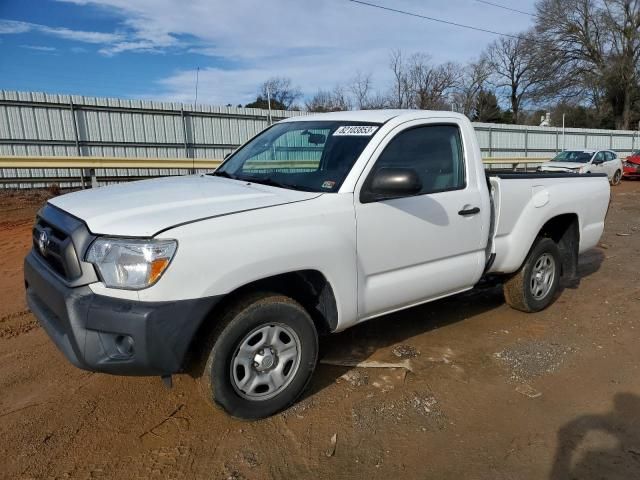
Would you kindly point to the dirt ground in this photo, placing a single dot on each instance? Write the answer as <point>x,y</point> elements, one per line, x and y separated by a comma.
<point>494,393</point>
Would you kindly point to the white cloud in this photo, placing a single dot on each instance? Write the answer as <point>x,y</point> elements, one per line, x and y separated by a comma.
<point>39,48</point>
<point>239,85</point>
<point>142,46</point>
<point>317,43</point>
<point>80,35</point>
<point>14,27</point>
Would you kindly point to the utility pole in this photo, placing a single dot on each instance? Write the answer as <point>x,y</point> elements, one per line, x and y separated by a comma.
<point>195,103</point>
<point>269,103</point>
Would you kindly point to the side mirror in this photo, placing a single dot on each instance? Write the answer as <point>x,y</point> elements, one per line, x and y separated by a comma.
<point>597,161</point>
<point>392,183</point>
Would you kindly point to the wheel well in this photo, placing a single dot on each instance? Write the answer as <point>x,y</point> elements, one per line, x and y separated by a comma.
<point>310,288</point>
<point>565,231</point>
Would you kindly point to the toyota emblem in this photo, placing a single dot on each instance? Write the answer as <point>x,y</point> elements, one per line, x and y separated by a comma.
<point>43,242</point>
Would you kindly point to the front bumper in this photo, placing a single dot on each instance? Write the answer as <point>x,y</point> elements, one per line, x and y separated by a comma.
<point>631,171</point>
<point>113,335</point>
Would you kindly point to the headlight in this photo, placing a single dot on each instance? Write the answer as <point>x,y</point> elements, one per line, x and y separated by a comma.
<point>129,263</point>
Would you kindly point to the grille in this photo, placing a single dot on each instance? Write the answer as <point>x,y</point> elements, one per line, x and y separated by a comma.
<point>56,249</point>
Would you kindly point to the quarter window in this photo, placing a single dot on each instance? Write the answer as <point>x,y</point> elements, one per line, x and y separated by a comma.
<point>434,152</point>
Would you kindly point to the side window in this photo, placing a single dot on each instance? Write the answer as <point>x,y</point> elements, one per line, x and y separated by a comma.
<point>610,156</point>
<point>600,157</point>
<point>434,152</point>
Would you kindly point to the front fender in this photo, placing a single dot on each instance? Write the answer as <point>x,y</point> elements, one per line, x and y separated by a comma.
<point>223,254</point>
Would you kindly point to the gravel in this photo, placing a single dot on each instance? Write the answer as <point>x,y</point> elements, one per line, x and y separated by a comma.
<point>417,409</point>
<point>533,359</point>
<point>405,351</point>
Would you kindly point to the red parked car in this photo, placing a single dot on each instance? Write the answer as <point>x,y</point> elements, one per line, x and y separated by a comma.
<point>631,166</point>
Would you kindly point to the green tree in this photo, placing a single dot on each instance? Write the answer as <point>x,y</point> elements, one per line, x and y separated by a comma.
<point>486,108</point>
<point>262,103</point>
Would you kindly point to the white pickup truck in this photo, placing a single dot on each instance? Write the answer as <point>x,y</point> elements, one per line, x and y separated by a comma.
<point>314,225</point>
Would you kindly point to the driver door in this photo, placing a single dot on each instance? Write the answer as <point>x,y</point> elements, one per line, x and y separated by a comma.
<point>420,247</point>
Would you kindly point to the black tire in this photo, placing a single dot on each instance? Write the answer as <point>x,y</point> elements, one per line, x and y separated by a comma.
<point>518,290</point>
<point>617,178</point>
<point>237,322</point>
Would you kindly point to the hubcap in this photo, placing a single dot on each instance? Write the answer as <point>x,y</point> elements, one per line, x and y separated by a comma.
<point>542,276</point>
<point>265,361</point>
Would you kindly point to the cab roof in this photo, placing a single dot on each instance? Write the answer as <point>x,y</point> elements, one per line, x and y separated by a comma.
<point>373,116</point>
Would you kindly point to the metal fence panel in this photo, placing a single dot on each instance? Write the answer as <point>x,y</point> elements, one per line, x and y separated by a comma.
<point>38,124</point>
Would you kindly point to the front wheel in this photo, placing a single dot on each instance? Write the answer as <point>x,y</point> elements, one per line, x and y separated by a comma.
<point>616,178</point>
<point>261,358</point>
<point>535,285</point>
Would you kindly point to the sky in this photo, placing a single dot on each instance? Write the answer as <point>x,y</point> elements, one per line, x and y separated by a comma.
<point>152,49</point>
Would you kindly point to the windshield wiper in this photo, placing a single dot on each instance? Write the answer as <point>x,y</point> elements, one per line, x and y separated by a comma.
<point>223,173</point>
<point>274,183</point>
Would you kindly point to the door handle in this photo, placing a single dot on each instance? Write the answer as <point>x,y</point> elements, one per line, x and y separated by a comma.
<point>469,211</point>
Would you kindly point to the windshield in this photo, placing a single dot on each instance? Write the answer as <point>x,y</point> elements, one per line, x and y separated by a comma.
<point>573,156</point>
<point>314,156</point>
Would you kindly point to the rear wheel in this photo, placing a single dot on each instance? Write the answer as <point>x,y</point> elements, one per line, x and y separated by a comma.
<point>535,285</point>
<point>261,358</point>
<point>616,178</point>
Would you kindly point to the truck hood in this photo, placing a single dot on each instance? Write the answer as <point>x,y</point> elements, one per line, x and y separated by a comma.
<point>562,166</point>
<point>144,208</point>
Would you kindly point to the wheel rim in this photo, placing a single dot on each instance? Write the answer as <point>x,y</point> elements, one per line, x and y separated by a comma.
<point>265,361</point>
<point>542,276</point>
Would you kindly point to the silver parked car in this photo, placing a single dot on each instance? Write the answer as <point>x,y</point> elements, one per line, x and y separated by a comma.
<point>587,161</point>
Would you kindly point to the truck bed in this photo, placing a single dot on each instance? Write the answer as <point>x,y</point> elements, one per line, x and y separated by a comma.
<point>523,202</point>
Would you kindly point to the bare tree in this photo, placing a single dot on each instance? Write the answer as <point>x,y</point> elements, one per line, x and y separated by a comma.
<point>418,83</point>
<point>600,41</point>
<point>430,85</point>
<point>400,90</point>
<point>471,83</point>
<point>360,88</point>
<point>376,101</point>
<point>520,71</point>
<point>329,101</point>
<point>281,90</point>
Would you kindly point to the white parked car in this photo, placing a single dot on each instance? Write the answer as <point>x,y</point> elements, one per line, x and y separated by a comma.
<point>314,225</point>
<point>587,161</point>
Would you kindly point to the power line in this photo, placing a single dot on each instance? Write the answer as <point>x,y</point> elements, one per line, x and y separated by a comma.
<point>548,44</point>
<point>433,19</point>
<point>504,7</point>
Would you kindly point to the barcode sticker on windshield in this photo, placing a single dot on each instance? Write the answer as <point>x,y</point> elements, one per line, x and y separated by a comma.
<point>358,130</point>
